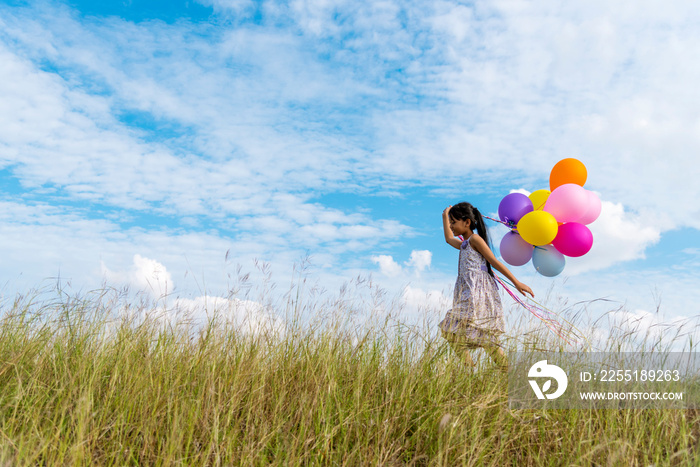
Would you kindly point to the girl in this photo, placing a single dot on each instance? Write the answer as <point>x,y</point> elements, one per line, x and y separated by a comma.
<point>476,317</point>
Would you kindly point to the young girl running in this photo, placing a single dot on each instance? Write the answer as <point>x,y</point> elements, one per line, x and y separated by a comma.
<point>476,317</point>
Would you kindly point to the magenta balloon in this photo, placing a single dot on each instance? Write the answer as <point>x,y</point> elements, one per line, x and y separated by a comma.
<point>513,207</point>
<point>573,239</point>
<point>567,203</point>
<point>593,211</point>
<point>514,250</point>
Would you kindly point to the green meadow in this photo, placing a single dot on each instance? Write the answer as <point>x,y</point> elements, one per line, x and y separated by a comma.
<point>91,380</point>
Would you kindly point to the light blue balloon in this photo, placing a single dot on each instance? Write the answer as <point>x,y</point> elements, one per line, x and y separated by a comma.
<point>548,261</point>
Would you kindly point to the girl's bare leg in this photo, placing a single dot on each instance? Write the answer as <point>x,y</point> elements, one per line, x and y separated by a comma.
<point>499,357</point>
<point>460,349</point>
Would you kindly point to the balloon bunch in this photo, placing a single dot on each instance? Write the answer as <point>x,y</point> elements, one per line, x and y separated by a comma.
<point>549,225</point>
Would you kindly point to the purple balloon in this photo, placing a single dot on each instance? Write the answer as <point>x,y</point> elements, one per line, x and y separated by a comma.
<point>513,207</point>
<point>573,239</point>
<point>514,250</point>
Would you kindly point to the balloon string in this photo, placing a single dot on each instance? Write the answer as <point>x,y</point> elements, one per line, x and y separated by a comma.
<point>571,335</point>
<point>510,224</point>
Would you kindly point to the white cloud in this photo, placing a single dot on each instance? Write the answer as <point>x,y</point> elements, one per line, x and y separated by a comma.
<point>500,73</point>
<point>387,265</point>
<point>240,171</point>
<point>418,262</point>
<point>220,314</point>
<point>521,191</point>
<point>244,316</point>
<point>431,302</point>
<point>145,275</point>
<point>42,241</point>
<point>205,101</point>
<point>618,236</point>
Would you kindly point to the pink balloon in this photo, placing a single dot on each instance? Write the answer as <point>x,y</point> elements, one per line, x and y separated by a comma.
<point>567,203</point>
<point>573,239</point>
<point>593,211</point>
<point>514,250</point>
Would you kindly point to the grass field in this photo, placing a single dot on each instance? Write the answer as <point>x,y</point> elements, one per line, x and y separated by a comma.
<point>80,387</point>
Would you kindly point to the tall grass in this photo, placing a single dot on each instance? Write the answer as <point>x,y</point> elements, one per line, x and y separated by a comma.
<point>84,382</point>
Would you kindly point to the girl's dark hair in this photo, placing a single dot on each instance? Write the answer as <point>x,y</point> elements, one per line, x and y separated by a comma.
<point>464,211</point>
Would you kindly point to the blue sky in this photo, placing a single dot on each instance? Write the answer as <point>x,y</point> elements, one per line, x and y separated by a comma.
<point>137,135</point>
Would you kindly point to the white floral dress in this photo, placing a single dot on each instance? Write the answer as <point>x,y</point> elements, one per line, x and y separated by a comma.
<point>477,314</point>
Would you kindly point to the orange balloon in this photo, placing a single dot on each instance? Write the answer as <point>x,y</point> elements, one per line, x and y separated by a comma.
<point>567,171</point>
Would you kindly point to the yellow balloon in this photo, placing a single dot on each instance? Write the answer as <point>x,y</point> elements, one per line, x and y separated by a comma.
<point>538,228</point>
<point>538,198</point>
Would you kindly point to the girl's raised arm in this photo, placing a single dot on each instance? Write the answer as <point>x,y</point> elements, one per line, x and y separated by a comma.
<point>449,235</point>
